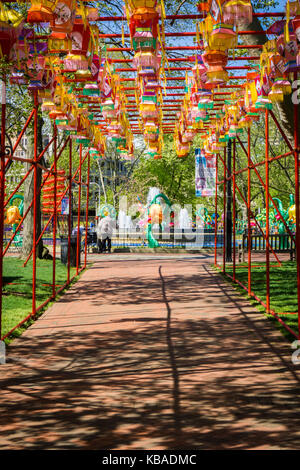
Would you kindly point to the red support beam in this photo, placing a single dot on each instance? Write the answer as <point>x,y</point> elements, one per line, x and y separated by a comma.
<point>235,77</point>
<point>297,198</point>
<point>54,210</point>
<point>183,48</point>
<point>190,59</point>
<point>254,167</point>
<point>234,206</point>
<point>70,212</point>
<point>249,211</point>
<point>79,207</point>
<point>2,188</point>
<point>224,210</point>
<point>216,209</point>
<point>180,69</point>
<point>20,136</point>
<point>267,195</point>
<point>176,34</point>
<point>87,209</point>
<point>35,190</point>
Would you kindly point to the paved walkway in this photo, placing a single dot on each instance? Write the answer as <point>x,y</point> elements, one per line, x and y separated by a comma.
<point>150,353</point>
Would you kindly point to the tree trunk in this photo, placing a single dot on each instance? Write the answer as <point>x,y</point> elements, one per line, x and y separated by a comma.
<point>28,198</point>
<point>102,182</point>
<point>39,182</point>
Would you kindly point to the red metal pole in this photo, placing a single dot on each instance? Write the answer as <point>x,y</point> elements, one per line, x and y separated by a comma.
<point>70,211</point>
<point>35,190</point>
<point>87,209</point>
<point>54,208</point>
<point>21,134</point>
<point>297,202</point>
<point>233,206</point>
<point>224,211</point>
<point>129,79</point>
<point>264,185</point>
<point>249,213</point>
<point>179,48</point>
<point>178,34</point>
<point>257,223</point>
<point>216,210</point>
<point>267,195</point>
<point>78,217</point>
<point>183,16</point>
<point>173,69</point>
<point>2,190</point>
<point>281,130</point>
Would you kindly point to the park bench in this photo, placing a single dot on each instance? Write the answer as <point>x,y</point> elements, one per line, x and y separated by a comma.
<point>280,243</point>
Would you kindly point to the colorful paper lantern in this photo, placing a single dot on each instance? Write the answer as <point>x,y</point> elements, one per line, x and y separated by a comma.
<point>80,37</point>
<point>41,11</point>
<point>63,16</point>
<point>10,27</point>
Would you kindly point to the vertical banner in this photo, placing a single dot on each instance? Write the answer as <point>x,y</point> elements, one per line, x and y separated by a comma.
<point>205,173</point>
<point>65,206</point>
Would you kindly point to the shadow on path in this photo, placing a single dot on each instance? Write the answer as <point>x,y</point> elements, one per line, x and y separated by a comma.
<point>173,359</point>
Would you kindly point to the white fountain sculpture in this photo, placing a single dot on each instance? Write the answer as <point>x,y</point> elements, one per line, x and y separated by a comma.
<point>184,219</point>
<point>153,191</point>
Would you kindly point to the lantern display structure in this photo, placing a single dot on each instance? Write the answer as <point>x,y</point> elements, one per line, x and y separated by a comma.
<point>41,11</point>
<point>11,23</point>
<point>48,192</point>
<point>80,37</point>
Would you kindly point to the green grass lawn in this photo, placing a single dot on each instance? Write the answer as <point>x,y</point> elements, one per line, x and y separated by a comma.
<point>17,289</point>
<point>283,290</point>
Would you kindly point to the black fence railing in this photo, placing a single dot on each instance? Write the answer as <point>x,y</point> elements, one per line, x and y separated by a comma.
<point>177,238</point>
<point>280,243</point>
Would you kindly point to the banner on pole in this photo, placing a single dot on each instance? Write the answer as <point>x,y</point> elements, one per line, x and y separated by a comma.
<point>205,173</point>
<point>65,206</point>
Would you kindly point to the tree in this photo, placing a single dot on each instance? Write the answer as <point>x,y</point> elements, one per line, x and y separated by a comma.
<point>174,176</point>
<point>28,224</point>
<point>118,183</point>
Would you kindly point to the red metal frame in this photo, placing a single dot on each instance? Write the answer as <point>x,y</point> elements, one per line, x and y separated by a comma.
<point>33,118</point>
<point>233,207</point>
<point>294,150</point>
<point>297,201</point>
<point>224,212</point>
<point>267,211</point>
<point>79,207</point>
<point>35,163</point>
<point>2,189</point>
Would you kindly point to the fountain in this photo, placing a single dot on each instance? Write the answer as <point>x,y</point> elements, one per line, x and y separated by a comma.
<point>153,191</point>
<point>184,219</point>
<point>124,221</point>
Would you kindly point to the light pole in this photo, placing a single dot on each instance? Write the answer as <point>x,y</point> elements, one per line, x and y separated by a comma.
<point>99,193</point>
<point>228,207</point>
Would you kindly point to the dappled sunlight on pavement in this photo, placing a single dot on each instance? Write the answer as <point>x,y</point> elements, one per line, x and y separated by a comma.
<point>148,353</point>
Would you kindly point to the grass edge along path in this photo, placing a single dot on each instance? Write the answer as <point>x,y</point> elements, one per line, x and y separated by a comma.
<point>17,296</point>
<point>283,292</point>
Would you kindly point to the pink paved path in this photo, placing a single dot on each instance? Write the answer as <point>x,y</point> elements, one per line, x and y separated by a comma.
<point>150,354</point>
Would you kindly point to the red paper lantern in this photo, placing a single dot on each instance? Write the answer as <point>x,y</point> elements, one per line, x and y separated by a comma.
<point>10,26</point>
<point>146,19</point>
<point>63,16</point>
<point>41,11</point>
<point>296,27</point>
<point>80,37</point>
